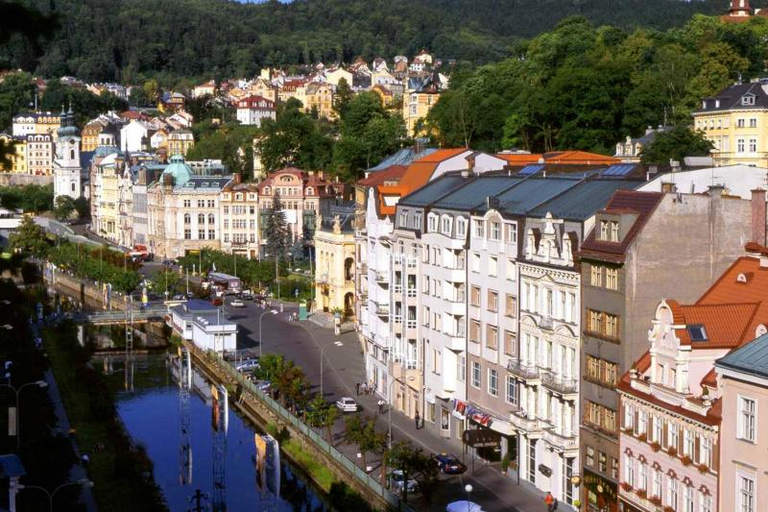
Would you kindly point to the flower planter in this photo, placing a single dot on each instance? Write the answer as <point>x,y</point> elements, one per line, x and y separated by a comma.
<point>686,460</point>
<point>655,446</point>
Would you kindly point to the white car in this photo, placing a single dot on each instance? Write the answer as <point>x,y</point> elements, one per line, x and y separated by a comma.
<point>237,303</point>
<point>397,482</point>
<point>346,404</point>
<point>247,366</point>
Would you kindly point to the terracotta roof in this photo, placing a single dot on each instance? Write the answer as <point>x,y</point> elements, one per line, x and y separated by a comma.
<point>520,159</point>
<point>421,170</point>
<point>578,157</point>
<point>726,325</point>
<point>256,102</point>
<point>623,201</point>
<point>391,173</point>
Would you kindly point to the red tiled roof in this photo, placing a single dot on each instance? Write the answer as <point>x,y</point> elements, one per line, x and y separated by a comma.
<point>623,201</point>
<point>578,157</point>
<point>256,102</point>
<point>520,159</point>
<point>391,173</point>
<point>727,325</point>
<point>421,170</point>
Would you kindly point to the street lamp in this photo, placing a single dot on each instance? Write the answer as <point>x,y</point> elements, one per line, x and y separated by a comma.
<point>261,340</point>
<point>336,343</point>
<point>83,481</point>
<point>468,489</point>
<point>38,383</point>
<point>389,409</point>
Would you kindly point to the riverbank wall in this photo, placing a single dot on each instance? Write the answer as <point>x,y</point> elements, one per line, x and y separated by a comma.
<point>262,410</point>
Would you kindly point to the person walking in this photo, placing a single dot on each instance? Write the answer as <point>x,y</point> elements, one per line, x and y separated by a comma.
<point>417,418</point>
<point>549,501</point>
<point>381,406</point>
<point>357,388</point>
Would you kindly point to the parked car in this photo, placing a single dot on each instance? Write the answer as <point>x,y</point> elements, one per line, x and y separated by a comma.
<point>237,303</point>
<point>247,365</point>
<point>217,301</point>
<point>397,482</point>
<point>449,464</point>
<point>346,404</point>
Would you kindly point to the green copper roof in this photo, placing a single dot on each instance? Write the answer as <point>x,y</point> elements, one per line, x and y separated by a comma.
<point>180,171</point>
<point>751,358</point>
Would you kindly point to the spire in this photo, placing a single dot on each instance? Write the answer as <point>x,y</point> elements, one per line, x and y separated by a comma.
<point>70,108</point>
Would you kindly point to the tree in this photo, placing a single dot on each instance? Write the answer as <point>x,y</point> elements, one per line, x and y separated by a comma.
<point>675,144</point>
<point>362,432</point>
<point>406,458</point>
<point>16,94</point>
<point>29,238</point>
<point>152,91</point>
<point>65,205</point>
<point>83,207</point>
<point>276,227</point>
<point>342,98</point>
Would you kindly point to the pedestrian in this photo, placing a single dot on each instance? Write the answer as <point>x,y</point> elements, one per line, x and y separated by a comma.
<point>357,389</point>
<point>549,501</point>
<point>364,386</point>
<point>381,406</point>
<point>417,418</point>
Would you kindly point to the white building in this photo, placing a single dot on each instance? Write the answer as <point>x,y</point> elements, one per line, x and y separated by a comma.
<point>134,136</point>
<point>738,180</point>
<point>203,324</point>
<point>68,179</point>
<point>253,109</point>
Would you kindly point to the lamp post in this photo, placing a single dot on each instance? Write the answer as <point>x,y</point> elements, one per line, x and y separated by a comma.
<point>336,343</point>
<point>468,489</point>
<point>38,383</point>
<point>389,409</point>
<point>83,481</point>
<point>261,340</point>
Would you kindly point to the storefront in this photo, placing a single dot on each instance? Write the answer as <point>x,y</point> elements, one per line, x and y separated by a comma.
<point>600,494</point>
<point>501,432</point>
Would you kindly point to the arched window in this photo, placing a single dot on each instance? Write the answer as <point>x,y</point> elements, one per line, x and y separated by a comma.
<point>201,218</point>
<point>71,154</point>
<point>266,190</point>
<point>211,218</point>
<point>187,218</point>
<point>309,191</point>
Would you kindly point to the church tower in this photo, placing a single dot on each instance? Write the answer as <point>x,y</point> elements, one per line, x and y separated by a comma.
<point>67,173</point>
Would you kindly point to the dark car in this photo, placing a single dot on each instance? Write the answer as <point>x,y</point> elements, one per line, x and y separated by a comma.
<point>449,464</point>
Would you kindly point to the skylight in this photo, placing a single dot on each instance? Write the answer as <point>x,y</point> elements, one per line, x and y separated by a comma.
<point>697,333</point>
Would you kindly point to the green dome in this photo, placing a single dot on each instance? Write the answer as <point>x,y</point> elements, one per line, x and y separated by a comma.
<point>180,171</point>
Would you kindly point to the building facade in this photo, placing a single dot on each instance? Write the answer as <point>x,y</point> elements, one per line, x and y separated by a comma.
<point>240,218</point>
<point>334,251</point>
<point>251,110</point>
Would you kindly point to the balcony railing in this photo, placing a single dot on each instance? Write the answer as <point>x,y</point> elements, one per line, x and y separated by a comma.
<point>546,322</point>
<point>522,422</point>
<point>381,309</point>
<point>565,386</point>
<point>382,277</point>
<point>560,440</point>
<point>527,372</point>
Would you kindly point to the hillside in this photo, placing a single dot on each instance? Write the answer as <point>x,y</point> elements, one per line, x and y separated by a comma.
<point>130,39</point>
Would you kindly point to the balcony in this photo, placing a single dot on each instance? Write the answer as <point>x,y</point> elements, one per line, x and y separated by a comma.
<point>559,440</point>
<point>546,322</point>
<point>525,372</point>
<point>382,277</point>
<point>381,309</point>
<point>456,340</point>
<point>522,422</point>
<point>559,384</point>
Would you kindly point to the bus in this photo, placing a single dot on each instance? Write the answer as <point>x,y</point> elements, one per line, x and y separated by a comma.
<point>230,284</point>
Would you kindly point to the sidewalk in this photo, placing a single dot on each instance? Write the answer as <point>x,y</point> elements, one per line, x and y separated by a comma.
<point>344,368</point>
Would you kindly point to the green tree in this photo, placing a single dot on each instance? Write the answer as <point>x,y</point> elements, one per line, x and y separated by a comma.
<point>406,458</point>
<point>342,98</point>
<point>65,205</point>
<point>362,432</point>
<point>29,238</point>
<point>83,207</point>
<point>16,94</point>
<point>152,91</point>
<point>276,228</point>
<point>675,144</point>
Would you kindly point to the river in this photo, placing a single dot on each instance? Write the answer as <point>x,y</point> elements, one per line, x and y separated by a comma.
<point>149,404</point>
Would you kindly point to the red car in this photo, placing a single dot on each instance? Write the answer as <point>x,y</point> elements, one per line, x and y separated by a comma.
<point>218,301</point>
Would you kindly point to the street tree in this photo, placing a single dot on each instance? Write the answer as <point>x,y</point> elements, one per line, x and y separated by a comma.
<point>276,227</point>
<point>29,238</point>
<point>83,207</point>
<point>65,205</point>
<point>362,432</point>
<point>406,458</point>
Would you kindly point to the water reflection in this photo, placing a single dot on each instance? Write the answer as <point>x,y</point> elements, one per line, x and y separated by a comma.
<point>169,409</point>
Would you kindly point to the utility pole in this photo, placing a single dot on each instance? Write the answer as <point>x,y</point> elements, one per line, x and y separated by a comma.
<point>198,498</point>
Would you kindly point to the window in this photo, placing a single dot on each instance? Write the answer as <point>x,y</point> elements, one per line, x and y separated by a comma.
<point>187,234</point>
<point>672,492</point>
<point>629,470</point>
<point>511,270</point>
<point>656,491</point>
<point>753,123</point>
<point>493,266</point>
<point>201,218</point>
<point>705,502</point>
<point>747,414</point>
<point>493,301</point>
<point>495,231</point>
<point>747,99</point>
<point>511,233</point>
<point>672,437</point>
<point>476,374</point>
<point>611,326</point>
<point>461,371</point>
<point>614,468</point>
<point>474,331</point>
<point>478,228</point>
<point>594,321</point>
<point>187,218</point>
<point>602,462</point>
<point>493,382</point>
<point>491,337</point>
<point>614,231</point>
<point>403,219</point>
<point>596,275</point>
<point>688,497</point>
<point>590,456</point>
<point>475,296</point>
<point>740,123</point>
<point>629,416</point>
<point>475,262</point>
<point>705,454</point>
<point>689,442</point>
<point>446,226</point>
<point>211,218</point>
<point>510,343</point>
<point>642,476</point>
<point>740,145</point>
<point>753,145</point>
<point>656,432</point>
<point>612,278</point>
<point>461,227</point>
<point>188,204</point>
<point>201,203</point>
<point>432,224</point>
<point>642,422</point>
<point>746,496</point>
<point>603,230</point>
<point>510,306</point>
<point>511,392</point>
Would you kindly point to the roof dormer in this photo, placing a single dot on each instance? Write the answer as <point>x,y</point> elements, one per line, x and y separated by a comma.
<point>748,99</point>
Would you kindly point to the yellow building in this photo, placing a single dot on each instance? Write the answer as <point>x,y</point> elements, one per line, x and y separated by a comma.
<point>18,157</point>
<point>263,88</point>
<point>40,154</point>
<point>421,96</point>
<point>30,123</point>
<point>335,265</point>
<point>736,121</point>
<point>320,98</point>
<point>179,142</point>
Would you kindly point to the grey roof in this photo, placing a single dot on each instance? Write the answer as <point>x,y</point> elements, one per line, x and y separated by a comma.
<point>433,190</point>
<point>205,183</point>
<point>751,358</point>
<point>531,192</point>
<point>473,194</point>
<point>403,157</point>
<point>582,201</point>
<point>730,98</point>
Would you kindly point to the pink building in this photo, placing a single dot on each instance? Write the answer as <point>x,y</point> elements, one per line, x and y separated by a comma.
<point>670,402</point>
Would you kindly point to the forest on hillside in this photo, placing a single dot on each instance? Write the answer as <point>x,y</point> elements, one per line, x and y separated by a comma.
<point>129,40</point>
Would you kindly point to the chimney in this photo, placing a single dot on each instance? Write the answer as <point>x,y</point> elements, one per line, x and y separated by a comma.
<point>716,190</point>
<point>668,188</point>
<point>758,216</point>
